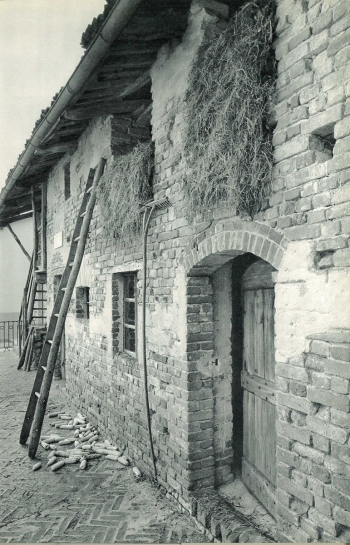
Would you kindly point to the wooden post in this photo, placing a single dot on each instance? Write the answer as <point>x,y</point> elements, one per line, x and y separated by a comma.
<point>18,241</point>
<point>24,351</point>
<point>35,230</point>
<point>25,311</point>
<point>43,225</point>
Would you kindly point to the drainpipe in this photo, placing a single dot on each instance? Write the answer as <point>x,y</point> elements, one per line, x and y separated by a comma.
<point>112,27</point>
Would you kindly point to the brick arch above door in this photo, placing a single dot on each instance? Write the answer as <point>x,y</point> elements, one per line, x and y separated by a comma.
<point>220,243</point>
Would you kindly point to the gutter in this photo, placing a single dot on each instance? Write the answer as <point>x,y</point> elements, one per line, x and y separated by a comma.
<point>112,27</point>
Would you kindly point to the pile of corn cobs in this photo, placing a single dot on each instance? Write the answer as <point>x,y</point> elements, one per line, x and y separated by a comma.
<point>85,439</point>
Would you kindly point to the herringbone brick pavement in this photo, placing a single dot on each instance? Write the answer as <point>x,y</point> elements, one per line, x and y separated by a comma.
<point>103,504</point>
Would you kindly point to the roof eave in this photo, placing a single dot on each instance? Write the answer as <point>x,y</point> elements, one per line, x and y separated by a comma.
<point>112,27</point>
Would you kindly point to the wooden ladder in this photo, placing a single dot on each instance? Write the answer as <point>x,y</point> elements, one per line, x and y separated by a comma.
<point>34,417</point>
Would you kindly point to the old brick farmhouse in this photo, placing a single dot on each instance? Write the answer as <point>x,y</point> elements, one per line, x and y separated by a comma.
<point>242,308</point>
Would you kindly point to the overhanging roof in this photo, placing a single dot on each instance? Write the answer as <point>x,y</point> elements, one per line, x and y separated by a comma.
<point>111,78</point>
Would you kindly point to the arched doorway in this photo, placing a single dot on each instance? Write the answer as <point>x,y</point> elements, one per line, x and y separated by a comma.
<point>215,268</point>
<point>244,354</point>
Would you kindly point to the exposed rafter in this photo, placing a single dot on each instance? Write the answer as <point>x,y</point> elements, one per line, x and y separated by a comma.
<point>144,117</point>
<point>140,83</point>
<point>105,108</point>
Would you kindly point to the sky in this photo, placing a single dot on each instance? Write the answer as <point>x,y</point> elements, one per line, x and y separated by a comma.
<point>39,49</point>
<point>14,266</point>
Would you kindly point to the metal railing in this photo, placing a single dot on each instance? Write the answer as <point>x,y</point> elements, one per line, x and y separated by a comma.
<point>9,333</point>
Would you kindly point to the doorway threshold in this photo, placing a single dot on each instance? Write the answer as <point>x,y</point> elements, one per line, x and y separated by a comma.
<point>242,500</point>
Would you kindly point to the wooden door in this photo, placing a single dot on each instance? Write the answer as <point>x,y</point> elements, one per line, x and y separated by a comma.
<point>258,375</point>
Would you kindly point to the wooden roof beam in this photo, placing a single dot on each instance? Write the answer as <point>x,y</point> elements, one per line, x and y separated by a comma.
<point>52,149</point>
<point>107,107</point>
<point>140,83</point>
<point>142,115</point>
<point>8,213</point>
<point>5,220</point>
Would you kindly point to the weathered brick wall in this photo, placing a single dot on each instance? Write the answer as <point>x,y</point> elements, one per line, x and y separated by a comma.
<point>311,182</point>
<point>303,232</point>
<point>313,454</point>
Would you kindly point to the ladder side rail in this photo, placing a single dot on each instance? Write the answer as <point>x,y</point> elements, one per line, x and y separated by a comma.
<point>25,321</point>
<point>31,301</point>
<point>24,351</point>
<point>20,329</point>
<point>30,272</point>
<point>28,351</point>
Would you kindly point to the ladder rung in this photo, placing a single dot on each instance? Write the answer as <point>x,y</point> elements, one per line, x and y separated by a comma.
<point>63,289</point>
<point>39,252</point>
<point>83,214</point>
<point>76,239</point>
<point>57,315</point>
<point>89,190</point>
<point>71,264</point>
<point>49,341</point>
<point>37,394</point>
<point>43,368</point>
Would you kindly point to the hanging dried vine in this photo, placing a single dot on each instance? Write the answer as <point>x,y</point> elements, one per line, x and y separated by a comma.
<point>228,146</point>
<point>123,188</point>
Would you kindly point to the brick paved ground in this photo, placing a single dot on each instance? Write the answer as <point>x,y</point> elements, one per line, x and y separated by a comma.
<point>103,504</point>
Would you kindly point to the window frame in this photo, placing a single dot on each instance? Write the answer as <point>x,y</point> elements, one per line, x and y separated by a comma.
<point>133,300</point>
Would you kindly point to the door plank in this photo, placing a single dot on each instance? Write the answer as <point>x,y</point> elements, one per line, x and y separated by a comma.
<point>259,486</point>
<point>270,434</point>
<point>258,439</point>
<point>251,424</point>
<point>248,346</point>
<point>245,425</point>
<point>258,333</point>
<point>269,334</point>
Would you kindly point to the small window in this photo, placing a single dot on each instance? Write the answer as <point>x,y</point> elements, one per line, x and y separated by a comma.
<point>67,181</point>
<point>129,313</point>
<point>82,302</point>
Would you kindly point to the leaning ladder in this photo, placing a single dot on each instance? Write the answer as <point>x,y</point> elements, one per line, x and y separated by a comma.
<point>34,417</point>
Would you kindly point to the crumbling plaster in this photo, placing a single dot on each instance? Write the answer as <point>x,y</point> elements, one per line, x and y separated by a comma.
<point>305,299</point>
